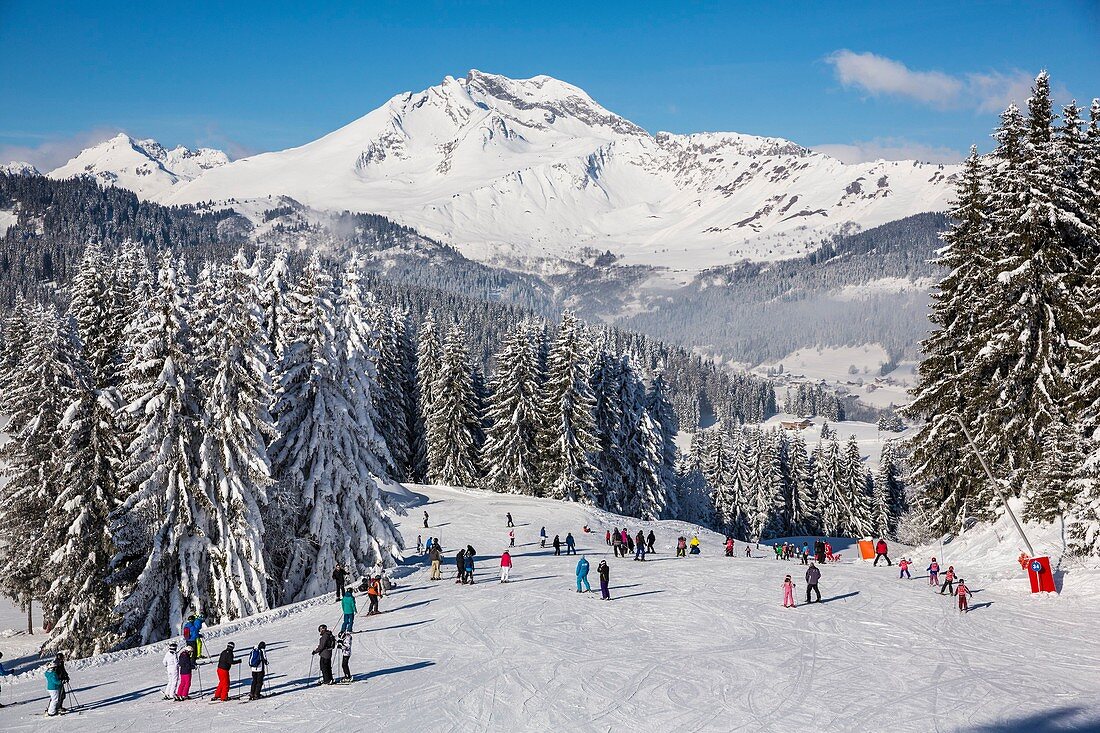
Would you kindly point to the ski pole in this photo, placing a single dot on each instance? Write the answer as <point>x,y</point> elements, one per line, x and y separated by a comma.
<point>71,694</point>
<point>198,669</point>
<point>309,675</point>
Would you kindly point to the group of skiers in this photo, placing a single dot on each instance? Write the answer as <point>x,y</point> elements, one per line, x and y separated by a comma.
<point>181,662</point>
<point>952,584</point>
<point>624,544</point>
<point>813,577</point>
<point>327,645</point>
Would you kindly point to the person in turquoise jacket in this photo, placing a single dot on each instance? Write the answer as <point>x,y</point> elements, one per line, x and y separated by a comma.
<point>582,575</point>
<point>347,603</point>
<point>53,686</point>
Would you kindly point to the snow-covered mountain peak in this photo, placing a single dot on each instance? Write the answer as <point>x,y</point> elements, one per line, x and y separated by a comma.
<point>18,168</point>
<point>143,166</point>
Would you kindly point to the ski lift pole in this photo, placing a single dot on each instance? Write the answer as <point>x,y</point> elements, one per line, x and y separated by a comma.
<point>996,486</point>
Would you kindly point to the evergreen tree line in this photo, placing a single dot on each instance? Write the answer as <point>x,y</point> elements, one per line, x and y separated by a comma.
<point>1015,352</point>
<point>810,400</point>
<point>757,484</point>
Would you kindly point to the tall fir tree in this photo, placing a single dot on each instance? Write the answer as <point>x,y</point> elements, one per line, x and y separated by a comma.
<point>514,415</point>
<point>451,417</point>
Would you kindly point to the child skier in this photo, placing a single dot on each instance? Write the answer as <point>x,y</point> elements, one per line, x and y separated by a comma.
<point>694,545</point>
<point>171,672</point>
<point>257,663</point>
<point>903,569</point>
<point>934,573</point>
<point>681,546</point>
<point>185,662</point>
<point>605,578</point>
<point>788,593</point>
<point>511,538</point>
<point>373,592</point>
<point>469,565</point>
<point>505,566</point>
<point>344,645</point>
<point>963,592</point>
<point>542,537</point>
<point>729,547</point>
<point>948,580</point>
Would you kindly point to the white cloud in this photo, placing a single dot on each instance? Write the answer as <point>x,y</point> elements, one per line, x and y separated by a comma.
<point>863,151</point>
<point>53,152</point>
<point>880,76</point>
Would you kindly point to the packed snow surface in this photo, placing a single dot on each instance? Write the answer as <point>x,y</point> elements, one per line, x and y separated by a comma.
<point>694,644</point>
<point>510,169</point>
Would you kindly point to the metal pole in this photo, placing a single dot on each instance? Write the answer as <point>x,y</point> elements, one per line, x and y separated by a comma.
<point>996,486</point>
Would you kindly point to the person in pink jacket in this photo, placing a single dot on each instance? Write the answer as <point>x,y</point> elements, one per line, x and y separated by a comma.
<point>934,573</point>
<point>505,566</point>
<point>903,569</point>
<point>788,593</point>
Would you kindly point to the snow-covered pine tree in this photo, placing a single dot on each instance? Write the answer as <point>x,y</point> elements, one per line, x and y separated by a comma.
<point>320,449</point>
<point>234,462</point>
<point>567,436</point>
<point>511,456</point>
<point>734,485</point>
<point>943,463</point>
<point>831,507</point>
<point>668,426</point>
<point>78,526</point>
<point>391,348</point>
<point>161,530</point>
<point>273,302</point>
<point>803,502</point>
<point>354,338</point>
<point>765,504</point>
<point>610,461</point>
<point>429,356</point>
<point>451,418</point>
<point>1036,315</point>
<point>639,440</point>
<point>695,501</point>
<point>37,391</point>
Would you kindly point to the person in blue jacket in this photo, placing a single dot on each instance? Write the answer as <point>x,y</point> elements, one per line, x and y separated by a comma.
<point>53,686</point>
<point>582,575</point>
<point>192,633</point>
<point>570,544</point>
<point>469,562</point>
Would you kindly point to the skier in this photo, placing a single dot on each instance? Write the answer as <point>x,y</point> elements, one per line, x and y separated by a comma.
<point>419,545</point>
<point>510,524</point>
<point>880,552</point>
<point>62,677</point>
<point>340,576</point>
<point>185,662</point>
<point>436,556</point>
<point>813,575</point>
<point>608,538</point>
<point>425,520</point>
<point>948,580</point>
<point>542,537</point>
<point>225,663</point>
<point>639,546</point>
<point>557,545</point>
<point>748,550</point>
<point>616,542</point>
<point>511,538</point>
<point>650,541</point>
<point>694,544</point>
<point>819,551</point>
<point>681,546</point>
<point>460,566</point>
<point>347,605</point>
<point>257,662</point>
<point>56,689</point>
<point>374,591</point>
<point>777,550</point>
<point>325,644</point>
<point>344,644</point>
<point>3,673</point>
<point>934,573</point>
<point>729,547</point>
<point>963,592</point>
<point>805,554</point>
<point>605,578</point>
<point>903,569</point>
<point>469,565</point>
<point>192,634</point>
<point>788,593</point>
<point>582,575</point>
<point>429,544</point>
<point>505,566</point>
<point>829,552</point>
<point>171,672</point>
<point>570,544</point>
<point>629,544</point>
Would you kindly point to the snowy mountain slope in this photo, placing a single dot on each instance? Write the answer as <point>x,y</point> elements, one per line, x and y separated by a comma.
<point>531,168</point>
<point>19,168</point>
<point>700,643</point>
<point>142,166</point>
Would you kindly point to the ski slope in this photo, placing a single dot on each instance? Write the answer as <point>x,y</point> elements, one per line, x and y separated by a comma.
<point>694,644</point>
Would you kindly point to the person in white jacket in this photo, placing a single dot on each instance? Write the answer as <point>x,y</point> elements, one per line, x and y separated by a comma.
<point>171,672</point>
<point>344,645</point>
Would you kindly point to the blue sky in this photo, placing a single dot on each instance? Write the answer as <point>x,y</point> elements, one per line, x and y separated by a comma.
<point>857,79</point>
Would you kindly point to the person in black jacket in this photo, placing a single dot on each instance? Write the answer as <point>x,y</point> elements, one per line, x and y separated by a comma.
<point>340,576</point>
<point>605,578</point>
<point>460,566</point>
<point>812,576</point>
<point>819,551</point>
<point>325,644</point>
<point>650,541</point>
<point>225,663</point>
<point>257,662</point>
<point>62,677</point>
<point>557,545</point>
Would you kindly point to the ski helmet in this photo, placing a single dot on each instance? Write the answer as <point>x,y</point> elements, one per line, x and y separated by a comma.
<point>230,645</point>
<point>322,627</point>
<point>172,646</point>
<point>262,645</point>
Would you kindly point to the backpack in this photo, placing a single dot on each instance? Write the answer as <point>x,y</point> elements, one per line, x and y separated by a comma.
<point>255,658</point>
<point>187,632</point>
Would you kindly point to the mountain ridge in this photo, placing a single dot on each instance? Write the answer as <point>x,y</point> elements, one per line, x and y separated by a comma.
<point>523,169</point>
